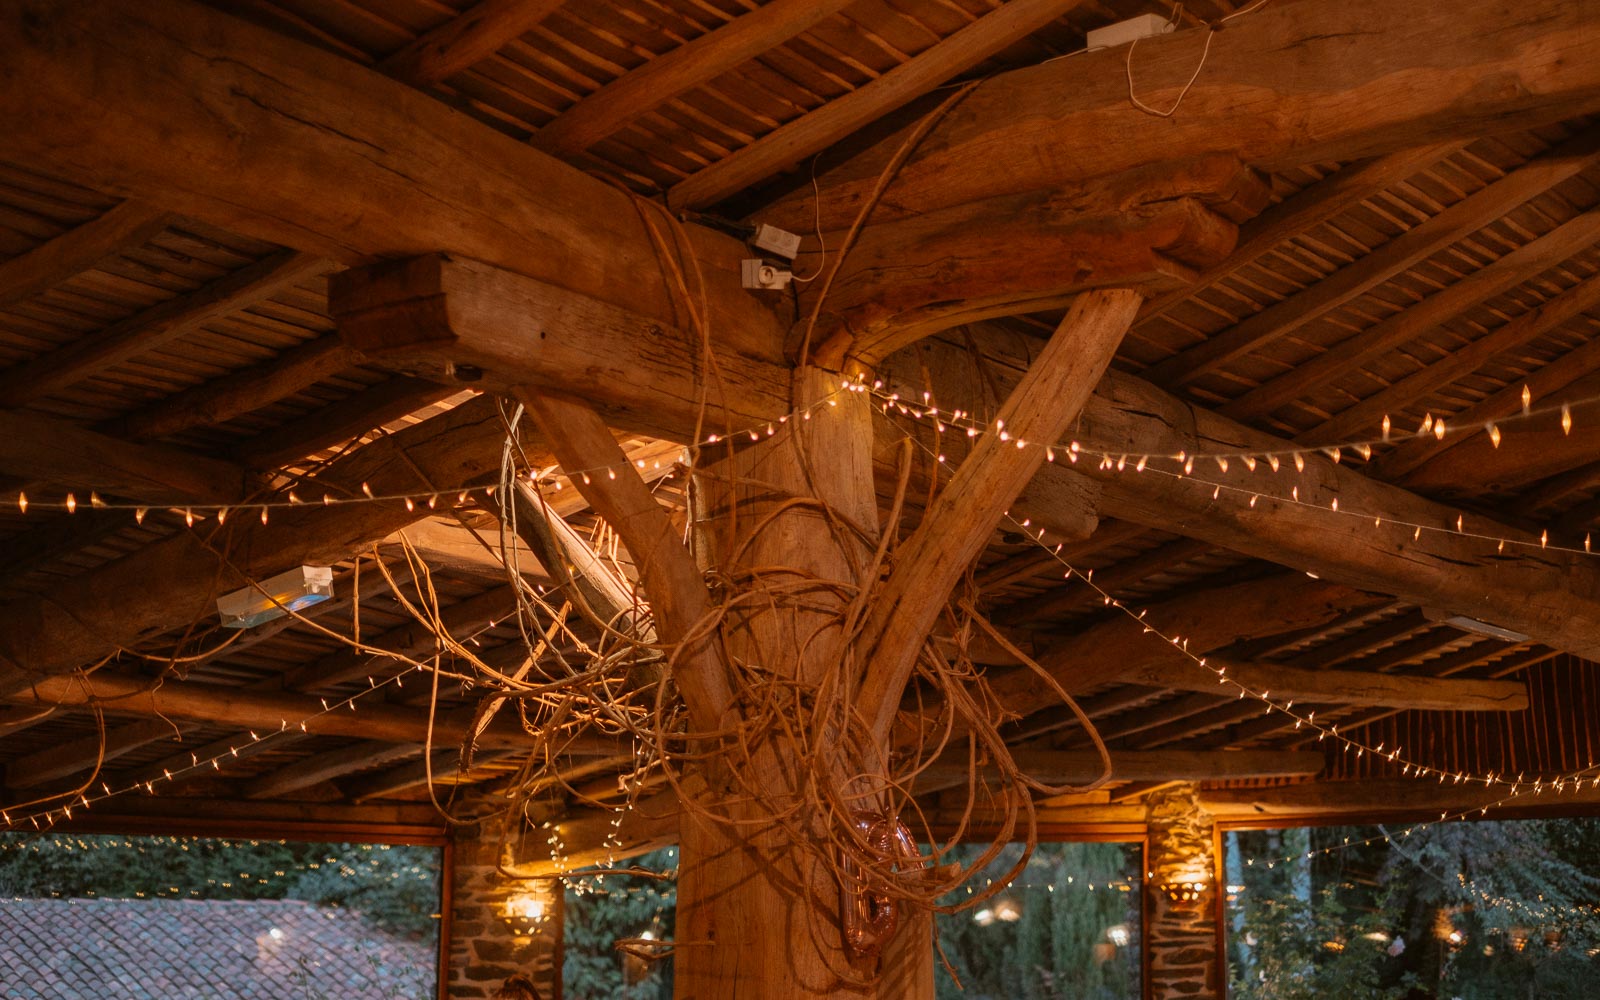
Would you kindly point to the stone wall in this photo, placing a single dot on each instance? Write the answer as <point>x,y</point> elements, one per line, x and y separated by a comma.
<point>1181,898</point>
<point>499,927</point>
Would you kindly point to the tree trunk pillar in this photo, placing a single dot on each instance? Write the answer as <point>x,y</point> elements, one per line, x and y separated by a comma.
<point>757,915</point>
<point>1180,928</point>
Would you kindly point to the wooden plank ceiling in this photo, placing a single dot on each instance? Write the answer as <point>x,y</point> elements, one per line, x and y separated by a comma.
<point>149,355</point>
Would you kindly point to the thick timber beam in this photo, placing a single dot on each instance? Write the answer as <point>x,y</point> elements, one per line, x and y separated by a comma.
<point>268,136</point>
<point>1341,687</point>
<point>1070,767</point>
<point>1151,230</point>
<point>1292,521</point>
<point>956,527</point>
<point>1286,85</point>
<point>270,713</point>
<point>443,316</point>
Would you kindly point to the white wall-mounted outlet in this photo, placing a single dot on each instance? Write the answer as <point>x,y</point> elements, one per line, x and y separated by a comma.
<point>1131,30</point>
<point>757,273</point>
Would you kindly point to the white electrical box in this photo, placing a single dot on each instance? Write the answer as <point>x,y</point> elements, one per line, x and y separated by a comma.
<point>1131,30</point>
<point>778,242</point>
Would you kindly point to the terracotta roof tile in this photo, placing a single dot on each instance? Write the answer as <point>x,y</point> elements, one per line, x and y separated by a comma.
<point>114,949</point>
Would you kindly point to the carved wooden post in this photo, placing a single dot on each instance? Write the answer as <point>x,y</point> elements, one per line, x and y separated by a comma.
<point>1180,927</point>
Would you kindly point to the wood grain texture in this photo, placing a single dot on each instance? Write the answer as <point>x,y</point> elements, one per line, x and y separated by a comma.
<point>130,224</point>
<point>816,131</point>
<point>957,525</point>
<point>1287,85</point>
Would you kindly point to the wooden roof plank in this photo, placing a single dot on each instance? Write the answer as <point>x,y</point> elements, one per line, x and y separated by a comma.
<point>160,324</point>
<point>819,129</point>
<point>1516,267</point>
<point>130,223</point>
<point>466,39</point>
<point>680,70</point>
<point>1404,251</point>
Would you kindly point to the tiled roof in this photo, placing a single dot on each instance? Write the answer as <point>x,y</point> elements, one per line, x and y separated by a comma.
<point>118,949</point>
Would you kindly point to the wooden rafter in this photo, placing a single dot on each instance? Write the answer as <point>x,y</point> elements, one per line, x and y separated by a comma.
<point>269,713</point>
<point>679,71</point>
<point>222,399</point>
<point>155,326</point>
<point>1428,237</point>
<point>1304,211</point>
<point>1522,330</point>
<point>821,128</point>
<point>466,39</point>
<point>1516,267</point>
<point>129,224</point>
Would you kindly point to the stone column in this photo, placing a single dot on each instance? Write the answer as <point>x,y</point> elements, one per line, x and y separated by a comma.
<point>499,927</point>
<point>1180,929</point>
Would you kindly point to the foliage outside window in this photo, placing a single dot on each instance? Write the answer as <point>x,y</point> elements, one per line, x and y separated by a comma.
<point>1476,911</point>
<point>604,909</point>
<point>1067,927</point>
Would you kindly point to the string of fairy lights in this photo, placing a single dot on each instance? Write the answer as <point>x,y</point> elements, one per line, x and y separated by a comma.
<point>945,421</point>
<point>87,796</point>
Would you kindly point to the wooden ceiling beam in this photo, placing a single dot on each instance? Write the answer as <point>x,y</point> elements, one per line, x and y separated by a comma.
<point>439,314</point>
<point>1573,367</point>
<point>1071,596</point>
<point>56,453</point>
<point>1070,767</point>
<point>1377,797</point>
<point>222,399</point>
<point>268,713</point>
<point>160,324</point>
<point>325,766</point>
<point>818,129</point>
<point>65,759</point>
<point>1522,264</point>
<point>129,224</point>
<point>340,422</point>
<point>1107,651</point>
<point>309,150</point>
<point>466,40</point>
<point>594,837</point>
<point>1407,392</point>
<point>444,767</point>
<point>1340,687</point>
<point>1404,251</point>
<point>176,580</point>
<point>1437,568</point>
<point>1530,451</point>
<point>1280,89</point>
<point>1304,211</point>
<point>678,71</point>
<point>1147,229</point>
